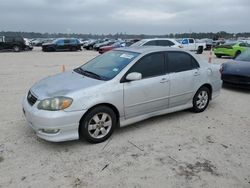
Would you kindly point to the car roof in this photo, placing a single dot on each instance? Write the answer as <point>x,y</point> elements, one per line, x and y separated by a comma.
<point>148,49</point>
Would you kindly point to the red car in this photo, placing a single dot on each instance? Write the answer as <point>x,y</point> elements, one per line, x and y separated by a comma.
<point>113,46</point>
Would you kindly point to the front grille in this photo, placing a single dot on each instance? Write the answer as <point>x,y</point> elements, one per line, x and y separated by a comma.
<point>31,99</point>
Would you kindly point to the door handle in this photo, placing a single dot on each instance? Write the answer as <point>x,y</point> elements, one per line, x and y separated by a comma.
<point>196,73</point>
<point>163,80</point>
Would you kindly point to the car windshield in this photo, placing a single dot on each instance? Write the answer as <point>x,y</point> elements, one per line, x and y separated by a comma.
<point>245,56</point>
<point>108,65</point>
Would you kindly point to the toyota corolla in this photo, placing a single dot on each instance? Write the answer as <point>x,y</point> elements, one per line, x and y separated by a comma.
<point>119,88</point>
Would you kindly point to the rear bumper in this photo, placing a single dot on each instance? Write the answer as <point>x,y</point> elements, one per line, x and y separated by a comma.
<point>66,123</point>
<point>236,81</point>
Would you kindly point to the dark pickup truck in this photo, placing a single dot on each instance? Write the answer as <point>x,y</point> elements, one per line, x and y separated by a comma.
<point>15,43</point>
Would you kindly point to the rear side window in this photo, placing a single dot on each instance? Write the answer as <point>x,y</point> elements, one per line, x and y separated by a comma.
<point>73,41</point>
<point>9,39</point>
<point>150,65</point>
<point>66,41</point>
<point>150,43</point>
<point>181,61</point>
<point>60,42</point>
<point>165,43</point>
<point>191,40</point>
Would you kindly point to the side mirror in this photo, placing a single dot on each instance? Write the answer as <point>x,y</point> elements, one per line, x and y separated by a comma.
<point>134,76</point>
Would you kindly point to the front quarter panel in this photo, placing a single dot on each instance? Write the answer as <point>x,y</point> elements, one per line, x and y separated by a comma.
<point>110,92</point>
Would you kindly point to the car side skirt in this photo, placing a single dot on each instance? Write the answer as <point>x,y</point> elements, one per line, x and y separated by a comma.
<point>125,122</point>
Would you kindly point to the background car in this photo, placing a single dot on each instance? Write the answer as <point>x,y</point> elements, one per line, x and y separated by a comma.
<point>14,43</point>
<point>105,43</point>
<point>158,42</point>
<point>231,49</point>
<point>192,45</point>
<point>62,44</point>
<point>237,72</point>
<point>113,46</point>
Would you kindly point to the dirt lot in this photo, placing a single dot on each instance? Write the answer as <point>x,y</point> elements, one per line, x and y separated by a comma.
<point>183,149</point>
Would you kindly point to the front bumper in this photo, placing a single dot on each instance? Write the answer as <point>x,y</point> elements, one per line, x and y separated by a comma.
<point>66,122</point>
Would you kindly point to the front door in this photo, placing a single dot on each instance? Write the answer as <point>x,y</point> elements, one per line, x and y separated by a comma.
<point>151,92</point>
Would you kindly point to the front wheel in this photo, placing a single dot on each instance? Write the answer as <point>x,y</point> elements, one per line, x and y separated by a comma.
<point>201,100</point>
<point>98,124</point>
<point>237,54</point>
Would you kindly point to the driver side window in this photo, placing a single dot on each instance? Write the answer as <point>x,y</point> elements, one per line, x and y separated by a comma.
<point>150,65</point>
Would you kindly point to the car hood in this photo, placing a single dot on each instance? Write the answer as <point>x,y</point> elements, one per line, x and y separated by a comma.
<point>63,84</point>
<point>237,67</point>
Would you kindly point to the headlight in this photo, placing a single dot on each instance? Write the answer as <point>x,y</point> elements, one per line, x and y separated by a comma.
<point>54,104</point>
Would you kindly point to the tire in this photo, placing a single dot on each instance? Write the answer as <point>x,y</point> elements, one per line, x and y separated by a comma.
<point>98,124</point>
<point>16,48</point>
<point>91,48</point>
<point>237,53</point>
<point>218,56</point>
<point>201,100</point>
<point>200,50</point>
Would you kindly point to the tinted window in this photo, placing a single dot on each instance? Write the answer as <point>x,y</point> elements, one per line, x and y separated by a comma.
<point>184,41</point>
<point>165,43</point>
<point>73,41</point>
<point>191,40</point>
<point>59,42</point>
<point>244,44</point>
<point>150,65</point>
<point>150,43</point>
<point>66,41</point>
<point>181,61</point>
<point>9,39</point>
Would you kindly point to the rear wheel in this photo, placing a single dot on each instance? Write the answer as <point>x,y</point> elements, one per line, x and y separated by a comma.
<point>237,53</point>
<point>200,50</point>
<point>201,99</point>
<point>16,48</point>
<point>98,124</point>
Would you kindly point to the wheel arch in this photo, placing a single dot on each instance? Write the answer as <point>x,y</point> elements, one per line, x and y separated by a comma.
<point>209,86</point>
<point>116,111</point>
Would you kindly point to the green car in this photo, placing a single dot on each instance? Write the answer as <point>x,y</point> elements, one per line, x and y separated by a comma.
<point>232,49</point>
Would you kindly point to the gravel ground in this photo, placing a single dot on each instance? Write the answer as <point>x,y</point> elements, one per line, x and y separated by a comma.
<point>183,149</point>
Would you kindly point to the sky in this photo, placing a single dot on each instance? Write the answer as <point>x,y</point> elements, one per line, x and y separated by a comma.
<point>126,16</point>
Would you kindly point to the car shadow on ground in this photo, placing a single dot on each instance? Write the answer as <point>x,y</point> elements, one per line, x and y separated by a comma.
<point>236,89</point>
<point>119,132</point>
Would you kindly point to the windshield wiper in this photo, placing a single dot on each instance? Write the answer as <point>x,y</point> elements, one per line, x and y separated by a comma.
<point>89,73</point>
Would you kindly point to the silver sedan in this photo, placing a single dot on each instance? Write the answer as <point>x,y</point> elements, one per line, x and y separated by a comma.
<point>119,88</point>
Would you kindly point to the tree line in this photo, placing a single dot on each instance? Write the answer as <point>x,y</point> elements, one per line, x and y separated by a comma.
<point>211,35</point>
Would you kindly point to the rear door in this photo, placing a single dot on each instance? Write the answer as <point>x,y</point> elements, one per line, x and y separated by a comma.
<point>151,92</point>
<point>184,76</point>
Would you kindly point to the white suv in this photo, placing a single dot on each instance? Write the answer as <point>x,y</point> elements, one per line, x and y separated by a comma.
<point>158,42</point>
